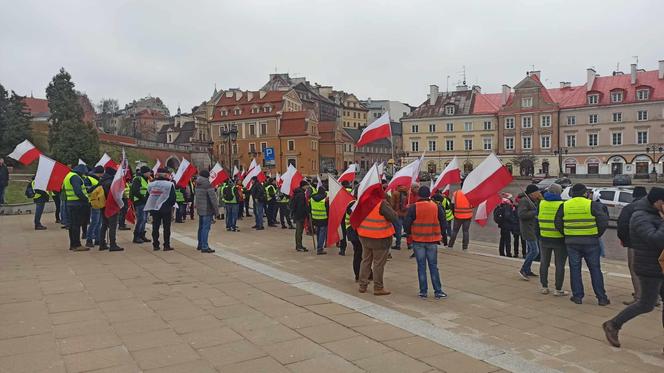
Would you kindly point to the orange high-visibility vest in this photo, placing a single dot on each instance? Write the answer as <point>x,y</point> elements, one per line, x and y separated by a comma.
<point>426,227</point>
<point>375,225</point>
<point>462,208</point>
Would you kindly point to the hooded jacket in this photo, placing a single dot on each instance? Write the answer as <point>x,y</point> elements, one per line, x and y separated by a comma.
<point>206,198</point>
<point>527,211</point>
<point>298,205</point>
<point>319,197</point>
<point>78,184</point>
<point>623,223</point>
<point>551,242</point>
<point>646,230</point>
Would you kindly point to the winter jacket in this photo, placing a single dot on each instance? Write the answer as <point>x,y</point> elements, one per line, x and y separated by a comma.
<point>506,217</point>
<point>549,241</point>
<point>105,182</point>
<point>78,185</point>
<point>319,197</point>
<point>646,231</point>
<point>258,193</point>
<point>135,191</point>
<point>4,175</point>
<point>205,198</point>
<point>411,215</point>
<point>399,200</point>
<point>623,223</point>
<point>298,205</point>
<point>601,218</point>
<point>527,211</point>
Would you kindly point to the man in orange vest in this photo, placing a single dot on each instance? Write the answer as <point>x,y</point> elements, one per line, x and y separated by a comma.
<point>424,224</point>
<point>463,214</point>
<point>375,233</point>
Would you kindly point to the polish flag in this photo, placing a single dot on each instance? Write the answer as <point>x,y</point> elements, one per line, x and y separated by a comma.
<point>319,183</point>
<point>106,161</point>
<point>184,173</point>
<point>80,161</point>
<point>381,170</point>
<point>369,194</point>
<point>156,167</point>
<point>236,171</point>
<point>50,174</point>
<point>339,199</point>
<point>486,180</point>
<point>114,201</point>
<point>25,153</point>
<point>279,181</point>
<point>217,175</point>
<point>349,174</point>
<point>255,171</point>
<point>450,175</point>
<point>485,209</point>
<point>378,129</point>
<point>290,180</point>
<point>407,175</point>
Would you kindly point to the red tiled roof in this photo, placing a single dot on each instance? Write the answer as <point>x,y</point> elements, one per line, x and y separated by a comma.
<point>487,103</point>
<point>605,84</point>
<point>274,98</point>
<point>293,123</point>
<point>37,106</point>
<point>150,114</point>
<point>327,127</point>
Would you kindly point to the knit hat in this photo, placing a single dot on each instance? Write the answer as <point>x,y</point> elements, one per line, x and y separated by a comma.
<point>639,192</point>
<point>145,169</point>
<point>110,171</point>
<point>204,173</point>
<point>656,194</point>
<point>163,170</point>
<point>98,170</point>
<point>424,192</point>
<point>532,188</point>
<point>578,190</point>
<point>555,188</point>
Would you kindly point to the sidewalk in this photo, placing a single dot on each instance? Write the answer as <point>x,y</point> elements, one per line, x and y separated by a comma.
<point>183,311</point>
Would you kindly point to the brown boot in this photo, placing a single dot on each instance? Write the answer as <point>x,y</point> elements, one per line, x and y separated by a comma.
<point>611,332</point>
<point>381,292</point>
<point>362,289</point>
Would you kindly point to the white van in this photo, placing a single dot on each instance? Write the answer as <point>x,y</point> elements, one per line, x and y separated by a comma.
<point>614,198</point>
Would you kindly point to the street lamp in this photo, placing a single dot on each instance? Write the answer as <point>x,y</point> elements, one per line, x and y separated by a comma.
<point>230,136</point>
<point>655,149</point>
<point>559,152</point>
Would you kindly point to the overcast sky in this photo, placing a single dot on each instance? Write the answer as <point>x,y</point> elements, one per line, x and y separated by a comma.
<point>178,50</point>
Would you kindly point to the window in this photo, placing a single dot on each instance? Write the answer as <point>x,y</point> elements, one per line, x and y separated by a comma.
<point>509,143</point>
<point>449,127</point>
<point>468,144</point>
<point>252,130</point>
<point>616,96</point>
<point>449,110</point>
<point>414,146</point>
<point>432,145</point>
<point>617,117</point>
<point>571,141</point>
<point>291,145</point>
<point>545,121</point>
<point>263,147</point>
<point>235,148</point>
<point>545,141</point>
<point>593,99</point>
<point>527,122</point>
<point>642,94</point>
<point>263,129</point>
<point>468,126</point>
<point>527,102</point>
<point>237,111</point>
<point>252,147</point>
<point>526,142</point>
<point>267,109</point>
<point>509,123</point>
<point>292,161</point>
<point>487,125</point>
<point>224,113</point>
<point>607,195</point>
<point>449,145</point>
<point>488,143</point>
<point>414,128</point>
<point>616,138</point>
<point>592,118</point>
<point>625,197</point>
<point>592,139</point>
<point>642,137</point>
<point>571,120</point>
<point>254,110</point>
<point>642,115</point>
<point>314,145</point>
<point>432,128</point>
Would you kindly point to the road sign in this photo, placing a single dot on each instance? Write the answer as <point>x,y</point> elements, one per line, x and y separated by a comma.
<point>268,154</point>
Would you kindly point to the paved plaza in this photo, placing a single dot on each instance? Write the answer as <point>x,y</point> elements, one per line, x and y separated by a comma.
<point>258,306</point>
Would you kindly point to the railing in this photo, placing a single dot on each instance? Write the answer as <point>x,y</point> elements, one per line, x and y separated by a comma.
<point>184,148</point>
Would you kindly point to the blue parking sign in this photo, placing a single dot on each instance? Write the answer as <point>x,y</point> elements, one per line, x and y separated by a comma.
<point>269,154</point>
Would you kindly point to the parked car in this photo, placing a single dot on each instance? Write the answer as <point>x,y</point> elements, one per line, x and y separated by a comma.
<point>538,177</point>
<point>615,198</point>
<point>563,182</point>
<point>622,180</point>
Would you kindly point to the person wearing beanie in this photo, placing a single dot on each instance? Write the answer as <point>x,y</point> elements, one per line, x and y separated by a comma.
<point>551,241</point>
<point>623,234</point>
<point>92,234</point>
<point>425,223</point>
<point>139,195</point>
<point>527,211</point>
<point>646,231</point>
<point>108,223</point>
<point>160,202</point>
<point>582,222</point>
<point>207,206</point>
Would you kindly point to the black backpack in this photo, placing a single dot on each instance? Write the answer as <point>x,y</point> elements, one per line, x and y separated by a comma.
<point>29,192</point>
<point>228,193</point>
<point>499,214</point>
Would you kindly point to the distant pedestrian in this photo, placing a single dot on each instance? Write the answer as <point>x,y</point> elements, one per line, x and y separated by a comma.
<point>271,202</point>
<point>108,223</point>
<point>4,180</point>
<point>527,211</point>
<point>207,207</point>
<point>160,202</point>
<point>77,199</point>
<point>463,214</point>
<point>299,212</point>
<point>39,197</point>
<point>92,235</point>
<point>552,241</point>
<point>319,206</point>
<point>399,203</point>
<point>231,198</point>
<point>623,234</point>
<point>501,216</point>
<point>259,197</point>
<point>139,194</point>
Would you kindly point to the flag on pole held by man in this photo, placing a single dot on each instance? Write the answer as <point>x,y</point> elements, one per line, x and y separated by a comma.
<point>378,129</point>
<point>485,209</point>
<point>184,173</point>
<point>339,198</point>
<point>319,182</point>
<point>218,175</point>
<point>50,174</point>
<point>25,153</point>
<point>407,175</point>
<point>486,180</point>
<point>290,180</point>
<point>369,194</point>
<point>349,174</point>
<point>236,171</point>
<point>450,175</point>
<point>106,161</point>
<point>253,171</point>
<point>114,201</point>
<point>80,161</point>
<point>156,167</point>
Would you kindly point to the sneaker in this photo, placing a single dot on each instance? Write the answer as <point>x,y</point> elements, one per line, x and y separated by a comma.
<point>236,229</point>
<point>576,300</point>
<point>604,302</point>
<point>531,274</point>
<point>103,247</point>
<point>137,240</point>
<point>544,291</point>
<point>440,295</point>
<point>145,239</point>
<point>260,228</point>
<point>305,249</point>
<point>524,276</point>
<point>423,296</point>
<point>378,292</point>
<point>611,332</point>
<point>362,289</point>
<point>89,243</point>
<point>284,227</point>
<point>40,228</point>
<point>321,252</point>
<point>155,248</point>
<point>116,248</point>
<point>299,249</point>
<point>629,302</point>
<point>560,293</point>
<point>207,251</point>
<point>169,248</point>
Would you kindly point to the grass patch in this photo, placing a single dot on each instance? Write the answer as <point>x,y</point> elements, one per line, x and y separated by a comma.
<point>15,192</point>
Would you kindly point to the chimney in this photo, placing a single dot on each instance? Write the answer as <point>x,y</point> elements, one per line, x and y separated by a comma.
<point>250,95</point>
<point>238,95</point>
<point>261,94</point>
<point>505,94</point>
<point>660,74</point>
<point>565,84</point>
<point>229,94</point>
<point>632,77</point>
<point>433,94</point>
<point>590,78</point>
<point>461,87</point>
<point>536,73</point>
<point>477,89</point>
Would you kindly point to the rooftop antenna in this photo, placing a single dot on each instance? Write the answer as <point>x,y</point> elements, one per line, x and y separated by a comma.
<point>618,66</point>
<point>464,74</point>
<point>447,85</point>
<point>637,59</point>
<point>532,67</point>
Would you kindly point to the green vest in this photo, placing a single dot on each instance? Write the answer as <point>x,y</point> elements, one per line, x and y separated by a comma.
<point>284,199</point>
<point>578,219</point>
<point>271,192</point>
<point>449,214</point>
<point>125,194</point>
<point>38,194</point>
<point>179,196</point>
<point>318,211</point>
<point>223,193</point>
<point>144,187</point>
<point>546,217</point>
<point>347,220</point>
<point>69,189</point>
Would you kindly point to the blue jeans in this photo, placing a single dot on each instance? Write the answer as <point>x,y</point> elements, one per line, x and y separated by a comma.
<point>448,228</point>
<point>321,236</point>
<point>590,253</point>
<point>64,219</point>
<point>271,212</point>
<point>2,194</point>
<point>398,228</point>
<point>141,218</point>
<point>232,210</point>
<point>94,226</point>
<point>259,208</point>
<point>204,223</point>
<point>39,210</point>
<point>427,253</point>
<point>533,252</point>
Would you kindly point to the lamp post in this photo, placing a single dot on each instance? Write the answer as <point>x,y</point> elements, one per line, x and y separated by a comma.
<point>655,149</point>
<point>559,152</point>
<point>230,137</point>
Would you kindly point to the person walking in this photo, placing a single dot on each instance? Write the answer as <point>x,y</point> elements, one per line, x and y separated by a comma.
<point>425,223</point>
<point>582,221</point>
<point>399,202</point>
<point>623,234</point>
<point>77,198</point>
<point>258,195</point>
<point>319,206</point>
<point>283,201</point>
<point>299,213</point>
<point>552,241</point>
<point>646,232</point>
<point>108,223</point>
<point>527,211</point>
<point>4,180</point>
<point>39,197</point>
<point>139,194</point>
<point>160,202</point>
<point>231,198</point>
<point>271,198</point>
<point>92,235</point>
<point>463,214</point>
<point>207,207</point>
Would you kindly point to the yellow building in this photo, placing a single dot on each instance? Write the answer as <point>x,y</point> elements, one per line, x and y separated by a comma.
<point>353,113</point>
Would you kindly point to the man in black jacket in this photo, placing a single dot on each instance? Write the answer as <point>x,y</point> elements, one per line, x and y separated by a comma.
<point>258,195</point>
<point>623,234</point>
<point>108,224</point>
<point>139,194</point>
<point>299,212</point>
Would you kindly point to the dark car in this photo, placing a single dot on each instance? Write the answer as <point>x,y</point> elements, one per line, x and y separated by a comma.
<point>619,180</point>
<point>563,182</point>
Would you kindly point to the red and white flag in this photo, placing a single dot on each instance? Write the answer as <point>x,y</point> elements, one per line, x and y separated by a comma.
<point>106,161</point>
<point>114,201</point>
<point>378,129</point>
<point>339,198</point>
<point>450,175</point>
<point>25,153</point>
<point>369,194</point>
<point>486,180</point>
<point>50,174</point>
<point>256,171</point>
<point>236,171</point>
<point>407,175</point>
<point>319,183</point>
<point>349,174</point>
<point>156,167</point>
<point>485,209</point>
<point>290,180</point>
<point>217,175</point>
<point>80,161</point>
<point>184,173</point>
<point>279,181</point>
